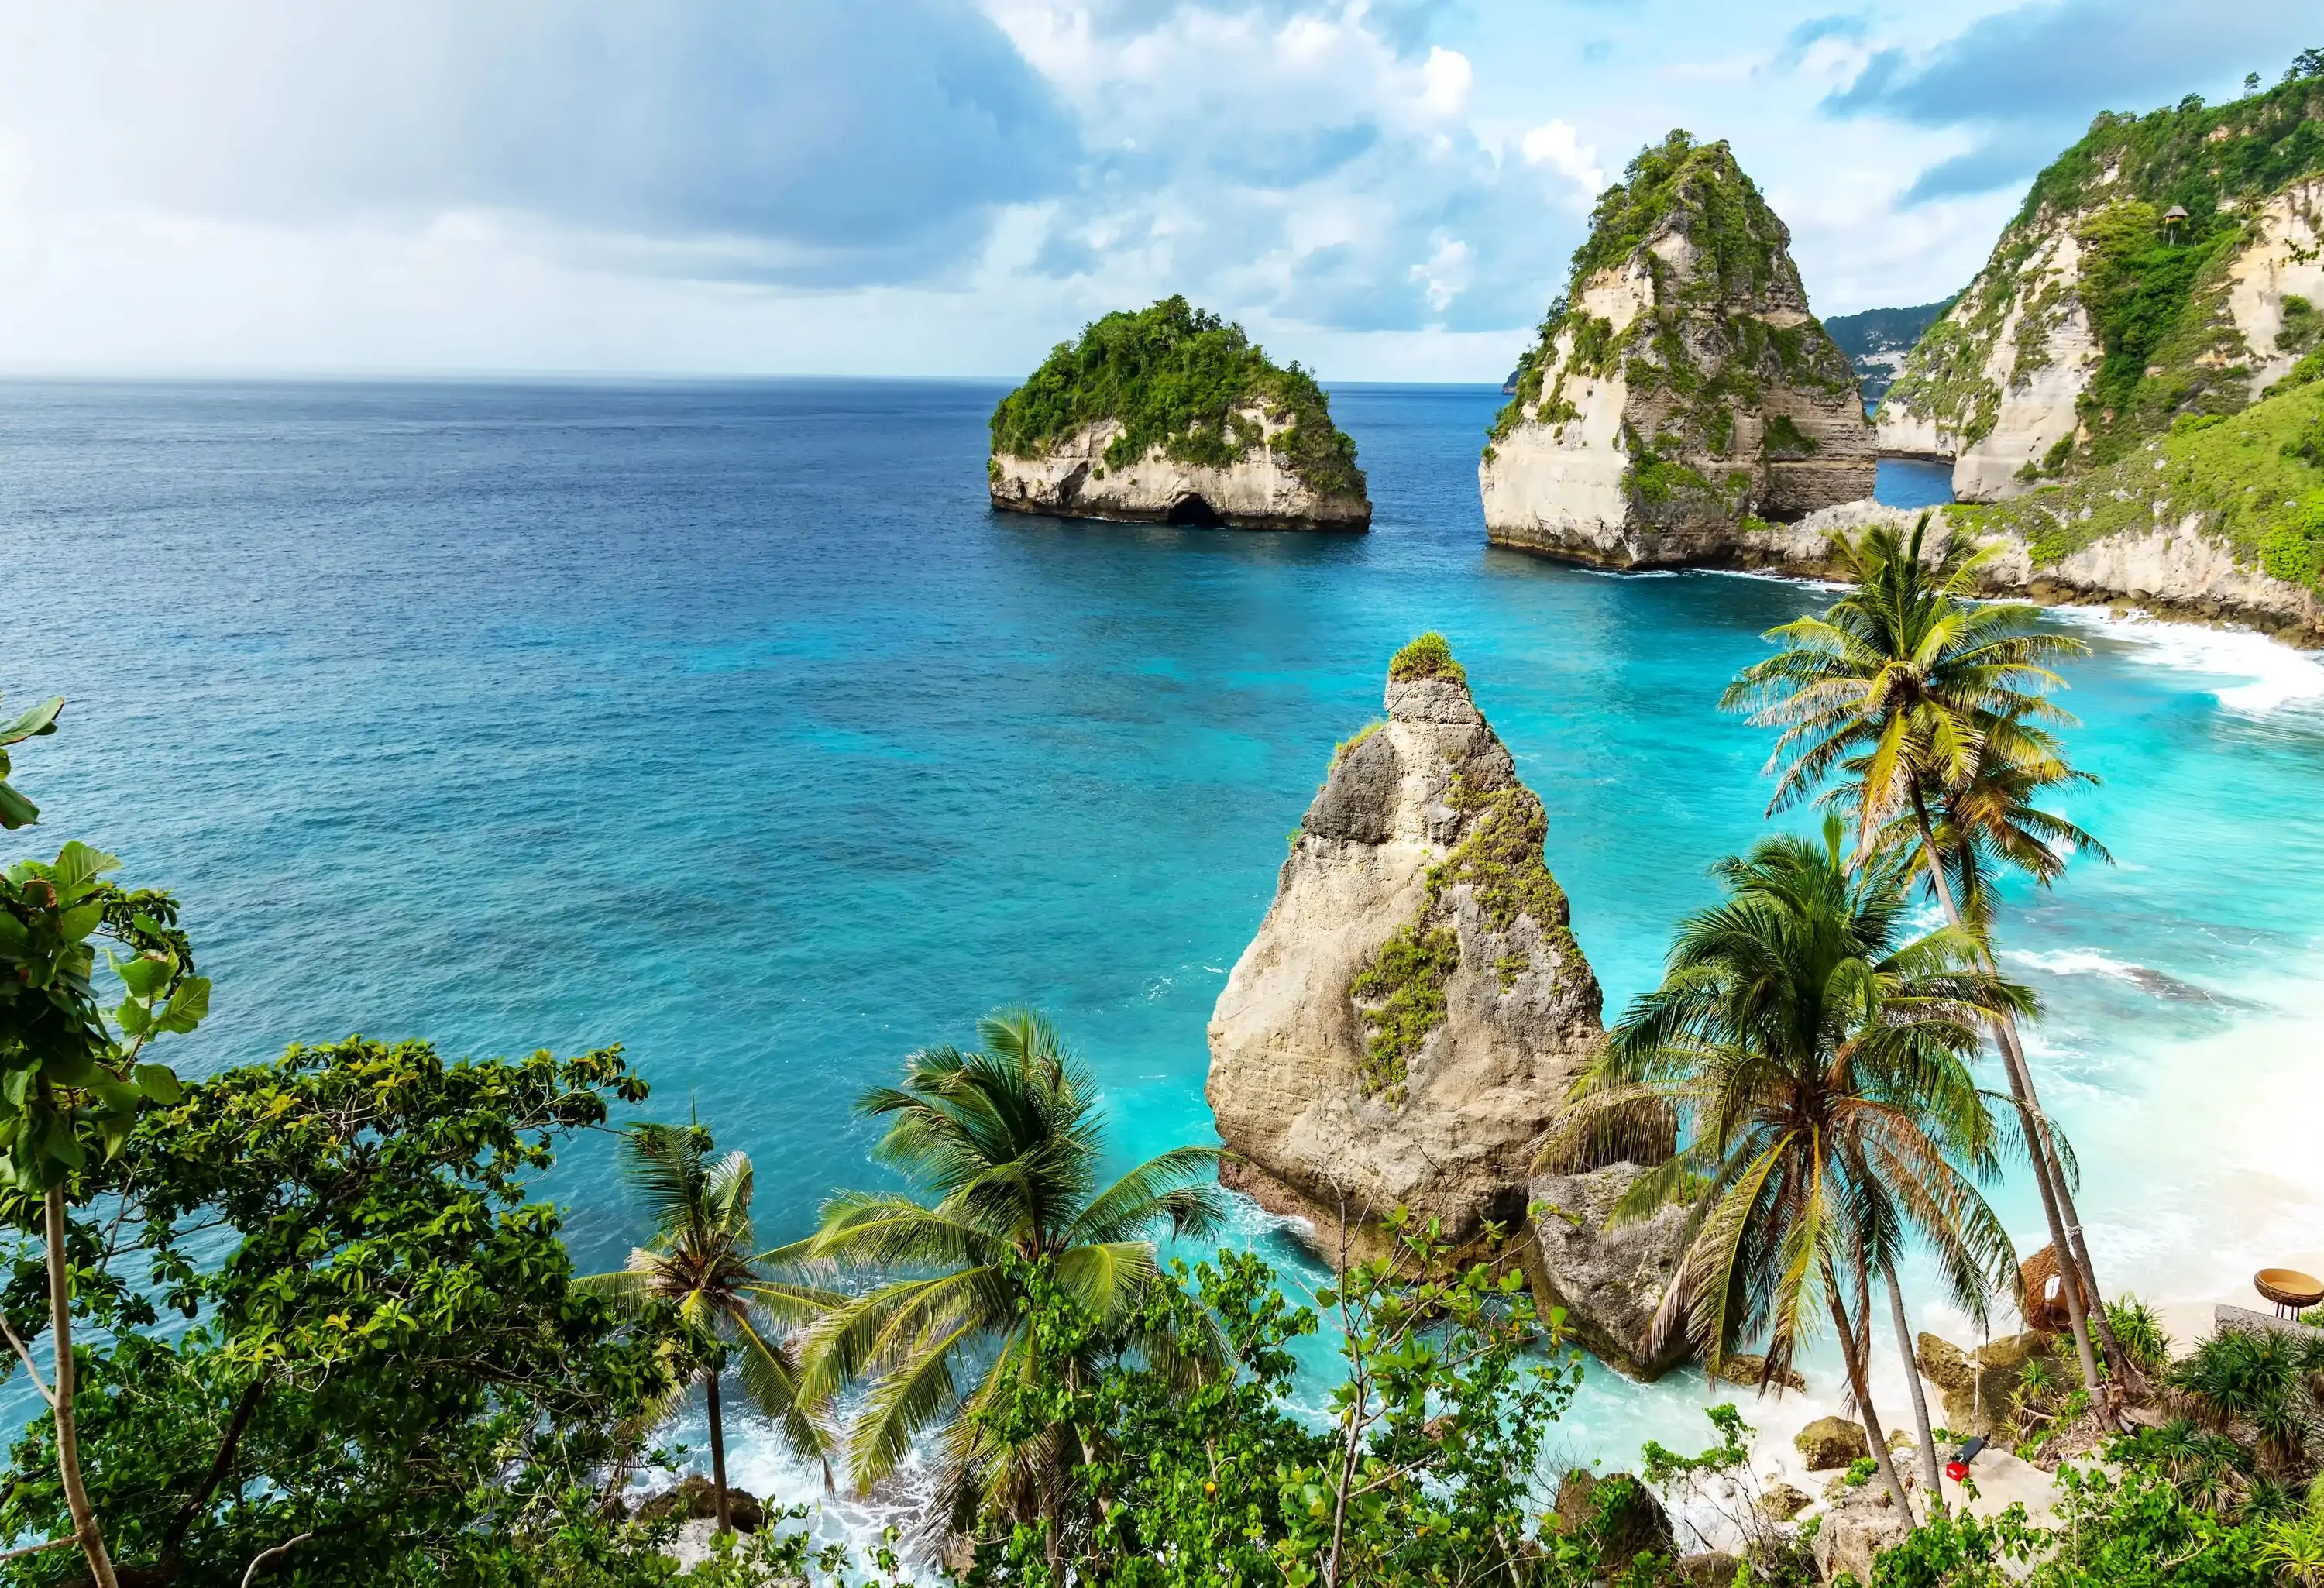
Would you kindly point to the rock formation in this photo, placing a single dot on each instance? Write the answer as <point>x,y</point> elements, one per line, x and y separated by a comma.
<point>2164,265</point>
<point>1171,416</point>
<point>1615,1516</point>
<point>2218,520</point>
<point>1829,1443</point>
<point>1608,1280</point>
<point>1403,1030</point>
<point>1980,1386</point>
<point>1680,388</point>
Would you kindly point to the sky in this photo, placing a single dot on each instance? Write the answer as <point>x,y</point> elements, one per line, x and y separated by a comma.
<point>1384,189</point>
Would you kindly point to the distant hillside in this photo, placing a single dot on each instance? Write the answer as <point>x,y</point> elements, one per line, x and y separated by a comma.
<point>1877,340</point>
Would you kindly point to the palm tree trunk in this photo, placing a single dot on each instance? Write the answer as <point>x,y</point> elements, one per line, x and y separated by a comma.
<point>1861,1385</point>
<point>2118,1360</point>
<point>1920,1395</point>
<point>717,1451</point>
<point>2029,1116</point>
<point>84,1515</point>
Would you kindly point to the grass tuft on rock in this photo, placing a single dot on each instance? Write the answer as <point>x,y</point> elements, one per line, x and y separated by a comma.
<point>1428,657</point>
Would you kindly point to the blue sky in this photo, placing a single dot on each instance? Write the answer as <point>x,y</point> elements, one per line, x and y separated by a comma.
<point>1383,189</point>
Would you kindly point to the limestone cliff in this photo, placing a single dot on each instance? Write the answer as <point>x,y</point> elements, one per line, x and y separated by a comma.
<point>1403,1028</point>
<point>1680,388</point>
<point>1170,415</point>
<point>2217,519</point>
<point>2166,265</point>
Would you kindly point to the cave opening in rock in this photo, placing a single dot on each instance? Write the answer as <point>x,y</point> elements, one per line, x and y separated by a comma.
<point>1195,511</point>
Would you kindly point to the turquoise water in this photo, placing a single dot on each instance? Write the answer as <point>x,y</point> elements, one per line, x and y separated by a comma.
<point>727,722</point>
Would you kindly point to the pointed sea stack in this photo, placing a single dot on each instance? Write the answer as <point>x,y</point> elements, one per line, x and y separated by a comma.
<point>1681,396</point>
<point>1403,1030</point>
<point>1170,415</point>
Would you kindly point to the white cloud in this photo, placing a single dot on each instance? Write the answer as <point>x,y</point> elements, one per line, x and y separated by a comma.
<point>1382,188</point>
<point>1557,145</point>
<point>1448,76</point>
<point>1445,273</point>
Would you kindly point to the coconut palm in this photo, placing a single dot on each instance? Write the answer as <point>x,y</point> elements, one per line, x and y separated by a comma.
<point>1004,1146</point>
<point>1816,1058</point>
<point>1898,688</point>
<point>703,1260</point>
<point>1986,825</point>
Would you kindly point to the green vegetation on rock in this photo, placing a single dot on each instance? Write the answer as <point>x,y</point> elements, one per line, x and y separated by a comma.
<point>1401,989</point>
<point>2254,480</point>
<point>1716,336</point>
<point>1178,378</point>
<point>2154,287</point>
<point>1427,657</point>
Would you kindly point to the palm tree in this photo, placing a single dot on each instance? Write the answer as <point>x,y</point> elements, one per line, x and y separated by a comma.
<point>1987,823</point>
<point>703,1260</point>
<point>1004,1145</point>
<point>1898,688</point>
<point>1817,1062</point>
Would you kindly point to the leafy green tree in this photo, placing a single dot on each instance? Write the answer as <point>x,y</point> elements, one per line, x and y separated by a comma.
<point>1005,1144</point>
<point>73,1075</point>
<point>1427,1469</point>
<point>381,1372</point>
<point>702,1261</point>
<point>1899,690</point>
<point>1815,1057</point>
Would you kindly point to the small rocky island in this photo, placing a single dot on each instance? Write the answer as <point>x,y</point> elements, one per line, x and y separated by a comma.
<point>1403,1030</point>
<point>1681,396</point>
<point>1171,415</point>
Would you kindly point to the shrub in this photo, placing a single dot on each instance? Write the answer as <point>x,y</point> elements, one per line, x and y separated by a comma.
<point>1427,657</point>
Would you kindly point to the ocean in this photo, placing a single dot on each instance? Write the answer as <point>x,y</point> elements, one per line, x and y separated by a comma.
<point>726,721</point>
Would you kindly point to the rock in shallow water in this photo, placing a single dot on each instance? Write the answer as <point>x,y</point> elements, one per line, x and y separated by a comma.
<point>1404,1027</point>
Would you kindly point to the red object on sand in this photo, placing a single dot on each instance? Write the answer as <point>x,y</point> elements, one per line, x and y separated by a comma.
<point>1958,1471</point>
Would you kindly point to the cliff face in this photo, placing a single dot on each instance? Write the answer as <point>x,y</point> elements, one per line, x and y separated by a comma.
<point>1170,415</point>
<point>1080,475</point>
<point>2166,265</point>
<point>2219,519</point>
<point>1403,1028</point>
<point>1680,388</point>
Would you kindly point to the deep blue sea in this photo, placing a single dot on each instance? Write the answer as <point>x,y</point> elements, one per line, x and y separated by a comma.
<point>726,722</point>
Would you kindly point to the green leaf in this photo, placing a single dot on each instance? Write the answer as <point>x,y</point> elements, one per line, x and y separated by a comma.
<point>77,866</point>
<point>58,1143</point>
<point>76,924</point>
<point>187,1005</point>
<point>40,720</point>
<point>145,976</point>
<point>159,1083</point>
<point>133,1018</point>
<point>15,810</point>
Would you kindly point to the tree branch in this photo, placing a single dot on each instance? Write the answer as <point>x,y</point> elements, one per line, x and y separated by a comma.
<point>30,1366</point>
<point>174,1539</point>
<point>264,1556</point>
<point>39,1548</point>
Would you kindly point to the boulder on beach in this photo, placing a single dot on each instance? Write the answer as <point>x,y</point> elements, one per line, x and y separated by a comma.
<point>1619,1512</point>
<point>1980,1386</point>
<point>1828,1443</point>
